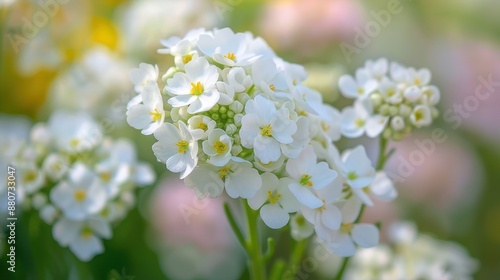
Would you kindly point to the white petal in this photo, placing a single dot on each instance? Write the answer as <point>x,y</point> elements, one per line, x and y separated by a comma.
<point>365,235</point>
<point>342,245</point>
<point>305,196</point>
<point>139,116</point>
<point>375,125</point>
<point>86,248</point>
<point>205,182</point>
<point>181,100</point>
<point>348,86</point>
<point>274,216</point>
<point>267,149</point>
<point>350,210</point>
<point>297,167</point>
<point>244,182</point>
<point>331,217</point>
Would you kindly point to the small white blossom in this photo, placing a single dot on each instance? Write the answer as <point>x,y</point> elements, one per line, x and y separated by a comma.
<point>275,201</point>
<point>195,87</point>
<point>81,195</point>
<point>176,148</point>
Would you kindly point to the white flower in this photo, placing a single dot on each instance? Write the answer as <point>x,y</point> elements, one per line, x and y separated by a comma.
<point>238,79</point>
<point>218,147</point>
<point>149,114</point>
<point>237,177</point>
<point>143,75</point>
<point>397,123</point>
<point>274,200</point>
<point>227,48</point>
<point>264,128</point>
<point>377,69</point>
<point>82,237</point>
<point>421,77</point>
<point>327,217</point>
<point>300,227</point>
<point>359,119</point>
<point>176,148</point>
<point>382,188</point>
<point>301,139</point>
<point>359,88</point>
<point>390,91</point>
<point>357,168</point>
<point>195,87</point>
<point>74,132</point>
<point>421,116</point>
<point>269,79</point>
<point>48,213</point>
<point>81,195</point>
<point>30,178</point>
<point>200,126</point>
<point>343,242</point>
<point>412,93</point>
<point>399,73</point>
<point>309,176</point>
<point>179,47</point>
<point>430,95</point>
<point>55,166</point>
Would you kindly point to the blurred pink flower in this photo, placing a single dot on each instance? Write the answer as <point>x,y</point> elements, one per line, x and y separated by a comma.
<point>180,218</point>
<point>447,178</point>
<point>469,61</point>
<point>305,24</point>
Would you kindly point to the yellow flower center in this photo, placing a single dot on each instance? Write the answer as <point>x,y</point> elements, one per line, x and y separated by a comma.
<point>105,176</point>
<point>325,126</point>
<point>187,58</point>
<point>273,197</point>
<point>74,142</point>
<point>266,131</point>
<point>197,89</point>
<point>224,171</point>
<point>29,176</point>
<point>301,221</point>
<point>272,87</point>
<point>360,91</point>
<point>80,195</point>
<point>359,122</point>
<point>352,175</point>
<point>220,147</point>
<point>203,126</point>
<point>419,115</point>
<point>391,92</point>
<point>346,228</point>
<point>86,233</point>
<point>305,180</point>
<point>155,115</point>
<point>230,55</point>
<point>417,81</point>
<point>182,146</point>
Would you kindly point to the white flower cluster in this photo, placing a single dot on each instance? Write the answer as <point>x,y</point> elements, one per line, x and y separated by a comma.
<point>389,99</point>
<point>233,116</point>
<point>78,180</point>
<point>412,256</point>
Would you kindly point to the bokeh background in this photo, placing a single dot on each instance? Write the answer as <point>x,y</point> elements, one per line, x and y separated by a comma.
<point>76,55</point>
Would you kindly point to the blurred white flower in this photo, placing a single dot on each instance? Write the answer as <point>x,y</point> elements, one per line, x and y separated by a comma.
<point>83,238</point>
<point>81,195</point>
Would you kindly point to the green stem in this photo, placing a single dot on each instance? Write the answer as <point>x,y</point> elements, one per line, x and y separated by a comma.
<point>234,225</point>
<point>342,269</point>
<point>382,159</point>
<point>298,252</point>
<point>256,260</point>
